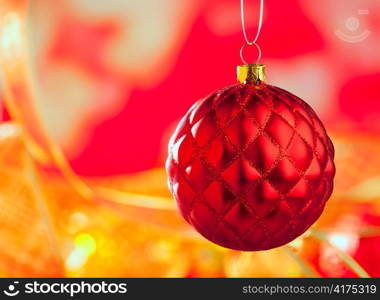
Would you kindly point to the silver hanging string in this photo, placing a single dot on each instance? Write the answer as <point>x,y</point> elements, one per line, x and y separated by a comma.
<point>254,41</point>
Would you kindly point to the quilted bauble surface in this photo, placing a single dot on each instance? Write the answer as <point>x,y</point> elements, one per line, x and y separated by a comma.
<point>251,167</point>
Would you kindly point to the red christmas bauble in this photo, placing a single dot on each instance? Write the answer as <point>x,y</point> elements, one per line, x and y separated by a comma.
<point>251,167</point>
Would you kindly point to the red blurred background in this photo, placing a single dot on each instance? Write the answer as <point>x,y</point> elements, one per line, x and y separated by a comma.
<point>300,47</point>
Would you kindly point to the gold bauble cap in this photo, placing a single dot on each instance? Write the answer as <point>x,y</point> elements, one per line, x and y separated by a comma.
<point>252,73</point>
